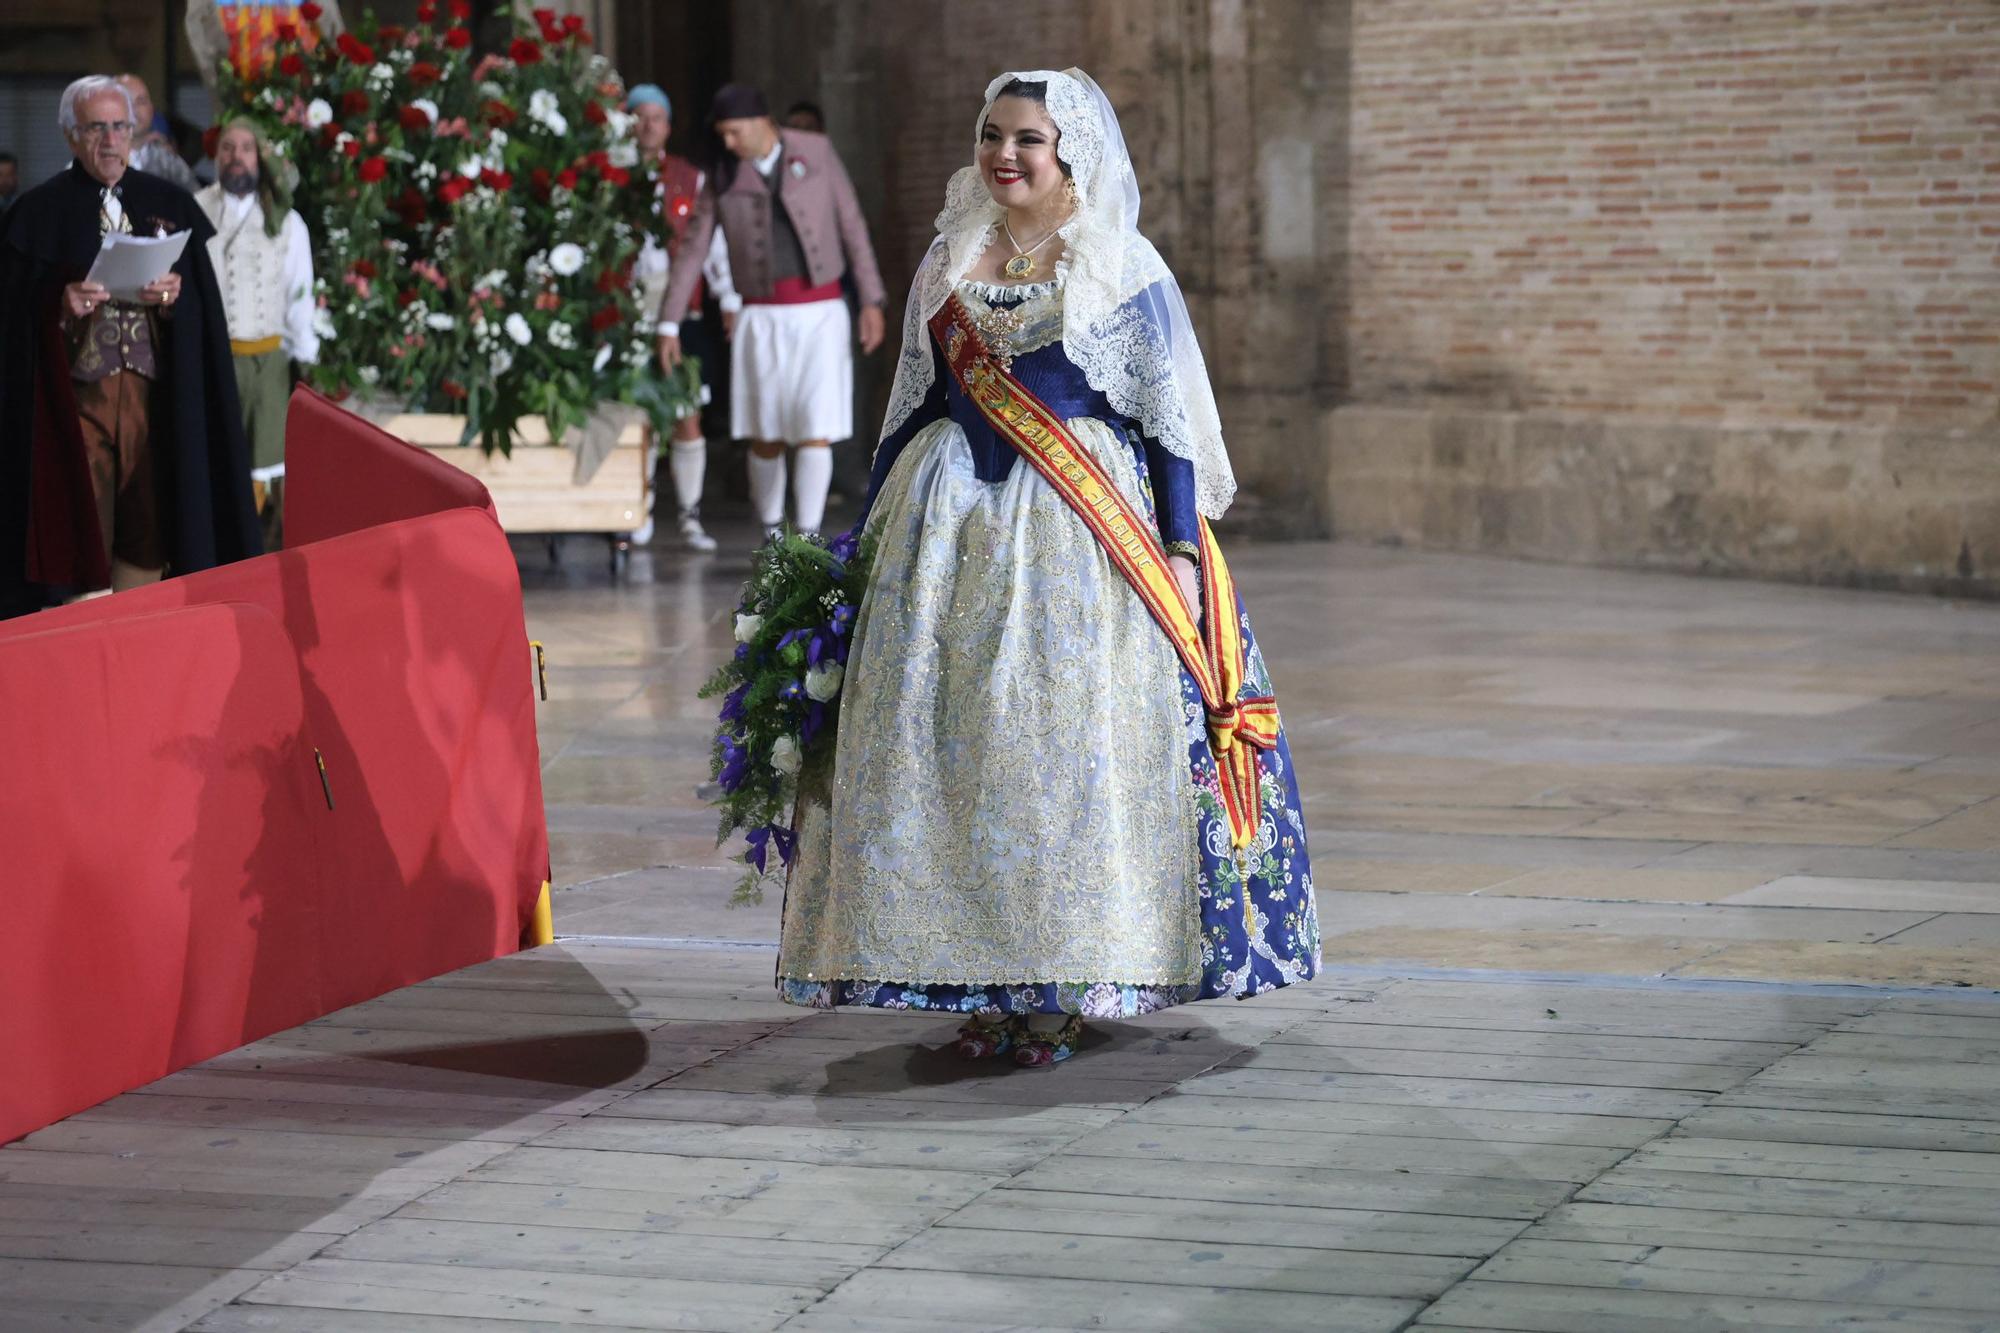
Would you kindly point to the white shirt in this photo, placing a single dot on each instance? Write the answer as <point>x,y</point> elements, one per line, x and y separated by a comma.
<point>301,343</point>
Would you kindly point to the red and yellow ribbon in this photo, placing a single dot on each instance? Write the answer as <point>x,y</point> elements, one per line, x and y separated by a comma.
<point>1212,650</point>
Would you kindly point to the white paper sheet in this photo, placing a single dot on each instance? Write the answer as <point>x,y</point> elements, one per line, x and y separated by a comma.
<point>127,263</point>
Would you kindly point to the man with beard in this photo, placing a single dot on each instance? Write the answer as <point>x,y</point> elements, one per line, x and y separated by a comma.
<point>263,262</point>
<point>679,185</point>
<point>121,443</point>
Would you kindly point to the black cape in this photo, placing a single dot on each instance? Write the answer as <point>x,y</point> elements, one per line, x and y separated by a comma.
<point>48,528</point>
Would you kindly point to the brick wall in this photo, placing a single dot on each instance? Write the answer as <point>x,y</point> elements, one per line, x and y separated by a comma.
<point>1720,212</point>
<point>1703,285</point>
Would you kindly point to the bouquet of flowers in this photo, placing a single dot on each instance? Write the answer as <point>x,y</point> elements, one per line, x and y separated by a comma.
<point>781,692</point>
<point>473,224</point>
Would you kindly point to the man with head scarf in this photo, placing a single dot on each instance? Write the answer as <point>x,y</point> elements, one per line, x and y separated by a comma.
<point>121,442</point>
<point>263,262</point>
<point>793,226</point>
<point>677,188</point>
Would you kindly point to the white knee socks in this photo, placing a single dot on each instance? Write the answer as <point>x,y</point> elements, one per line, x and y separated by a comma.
<point>812,472</point>
<point>767,489</point>
<point>688,459</point>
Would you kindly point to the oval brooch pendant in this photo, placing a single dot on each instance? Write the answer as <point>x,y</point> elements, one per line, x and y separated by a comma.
<point>1020,266</point>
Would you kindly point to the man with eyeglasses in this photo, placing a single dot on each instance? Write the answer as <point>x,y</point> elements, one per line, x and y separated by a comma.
<point>121,442</point>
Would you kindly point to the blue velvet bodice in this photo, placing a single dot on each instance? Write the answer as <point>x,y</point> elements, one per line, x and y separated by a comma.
<point>1052,377</point>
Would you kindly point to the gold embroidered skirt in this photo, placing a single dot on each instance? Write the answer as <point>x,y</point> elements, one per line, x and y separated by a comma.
<point>1011,800</point>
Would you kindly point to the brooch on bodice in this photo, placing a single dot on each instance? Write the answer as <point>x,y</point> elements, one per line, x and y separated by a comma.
<point>999,325</point>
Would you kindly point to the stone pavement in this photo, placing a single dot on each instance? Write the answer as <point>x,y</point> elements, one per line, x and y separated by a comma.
<point>1662,995</point>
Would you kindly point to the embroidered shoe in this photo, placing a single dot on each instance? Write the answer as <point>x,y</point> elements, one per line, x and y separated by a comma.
<point>1037,1050</point>
<point>693,535</point>
<point>984,1038</point>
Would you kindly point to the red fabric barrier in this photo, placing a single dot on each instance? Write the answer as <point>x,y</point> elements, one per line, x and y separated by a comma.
<point>335,483</point>
<point>185,887</point>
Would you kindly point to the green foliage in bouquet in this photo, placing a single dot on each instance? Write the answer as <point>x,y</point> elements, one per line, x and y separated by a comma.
<point>473,224</point>
<point>781,692</point>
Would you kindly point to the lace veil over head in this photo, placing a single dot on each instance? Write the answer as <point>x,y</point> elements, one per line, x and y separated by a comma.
<point>1125,324</point>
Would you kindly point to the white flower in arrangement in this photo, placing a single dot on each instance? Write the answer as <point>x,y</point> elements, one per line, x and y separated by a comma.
<point>471,167</point>
<point>562,337</point>
<point>823,681</point>
<point>496,139</point>
<point>493,281</point>
<point>537,267</point>
<point>785,755</point>
<point>341,140</point>
<point>619,124</point>
<point>492,90</point>
<point>271,97</point>
<point>567,258</point>
<point>564,213</point>
<point>381,75</point>
<point>441,322</point>
<point>747,626</point>
<point>369,374</point>
<point>402,57</point>
<point>323,322</point>
<point>639,353</point>
<point>517,329</point>
<point>428,107</point>
<point>546,111</point>
<point>623,153</point>
<point>279,148</point>
<point>601,360</point>
<point>501,362</point>
<point>427,172</point>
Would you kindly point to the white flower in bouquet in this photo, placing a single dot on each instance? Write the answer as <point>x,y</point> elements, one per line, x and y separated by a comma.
<point>619,124</point>
<point>567,258</point>
<point>537,267</point>
<point>471,167</point>
<point>493,281</point>
<point>492,90</point>
<point>601,360</point>
<point>428,107</point>
<point>427,172</point>
<point>369,374</point>
<point>639,353</point>
<point>500,363</point>
<point>441,321</point>
<point>785,755</point>
<point>747,626</point>
<point>546,111</point>
<point>823,681</point>
<point>340,142</point>
<point>517,329</point>
<point>623,153</point>
<point>381,75</point>
<point>562,337</point>
<point>323,322</point>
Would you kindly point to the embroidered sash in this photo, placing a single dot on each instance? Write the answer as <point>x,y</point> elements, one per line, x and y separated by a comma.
<point>1211,650</point>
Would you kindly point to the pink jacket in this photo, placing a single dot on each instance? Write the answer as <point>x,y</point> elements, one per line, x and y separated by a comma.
<point>820,201</point>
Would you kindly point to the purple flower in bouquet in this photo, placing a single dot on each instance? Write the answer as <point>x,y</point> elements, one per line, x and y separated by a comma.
<point>732,704</point>
<point>842,548</point>
<point>819,648</point>
<point>843,618</point>
<point>815,719</point>
<point>742,651</point>
<point>735,764</point>
<point>769,835</point>
<point>793,692</point>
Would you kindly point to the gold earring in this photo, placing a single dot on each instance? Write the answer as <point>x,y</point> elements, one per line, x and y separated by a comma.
<point>1069,188</point>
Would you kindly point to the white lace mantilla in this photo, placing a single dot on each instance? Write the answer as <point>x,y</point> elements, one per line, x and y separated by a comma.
<point>1125,323</point>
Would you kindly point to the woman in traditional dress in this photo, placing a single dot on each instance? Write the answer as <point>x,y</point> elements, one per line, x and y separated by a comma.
<point>1060,791</point>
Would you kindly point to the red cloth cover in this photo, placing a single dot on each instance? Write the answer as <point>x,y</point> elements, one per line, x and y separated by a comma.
<point>180,885</point>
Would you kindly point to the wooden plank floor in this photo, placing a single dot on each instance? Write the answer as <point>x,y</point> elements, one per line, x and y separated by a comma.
<point>592,1136</point>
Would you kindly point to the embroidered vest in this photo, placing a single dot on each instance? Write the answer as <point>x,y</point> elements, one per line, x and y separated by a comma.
<point>118,335</point>
<point>250,268</point>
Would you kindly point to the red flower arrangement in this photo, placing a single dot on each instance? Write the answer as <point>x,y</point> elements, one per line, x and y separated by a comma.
<point>404,169</point>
